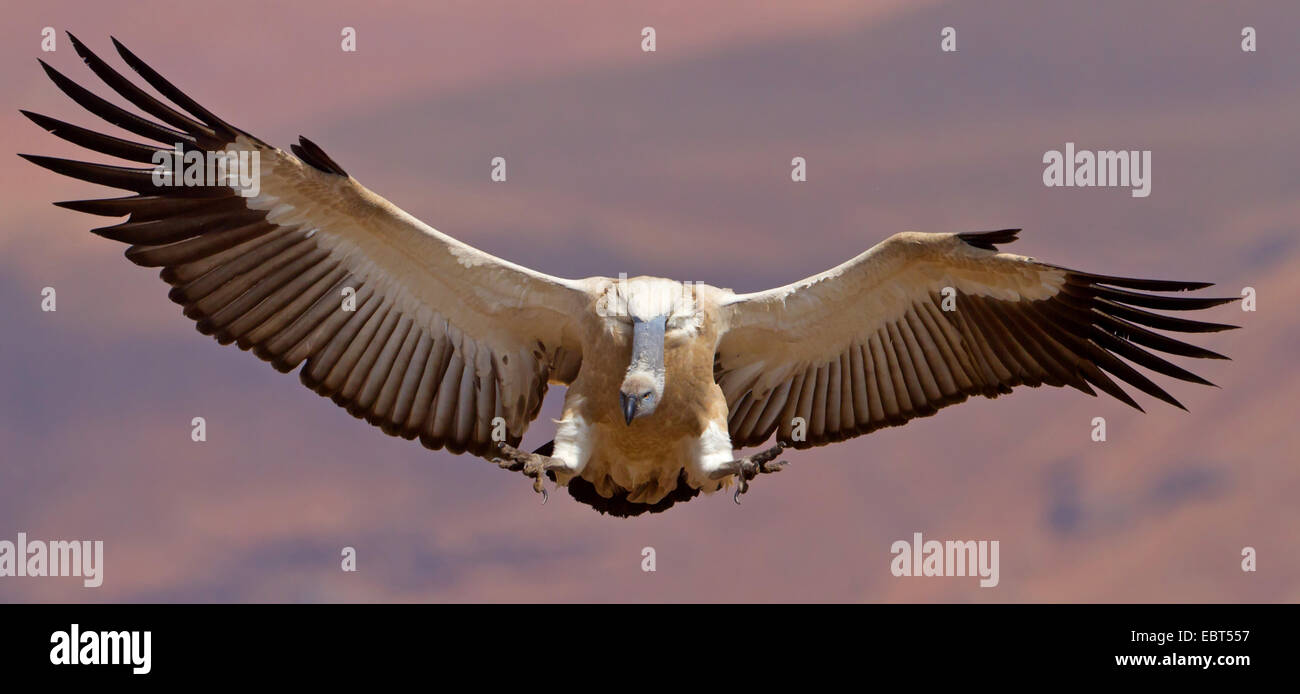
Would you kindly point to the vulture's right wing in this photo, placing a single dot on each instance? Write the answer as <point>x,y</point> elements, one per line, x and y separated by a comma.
<point>441,339</point>
<point>923,321</point>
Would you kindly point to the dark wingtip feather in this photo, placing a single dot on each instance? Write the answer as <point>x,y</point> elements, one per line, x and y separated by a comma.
<point>93,140</point>
<point>1167,303</point>
<point>45,123</point>
<point>989,240</point>
<point>125,178</point>
<point>85,206</point>
<point>77,45</point>
<point>106,207</point>
<point>311,153</point>
<point>169,90</point>
<point>111,112</point>
<point>1157,320</point>
<point>1134,282</point>
<point>141,99</point>
<point>115,176</point>
<point>1128,400</point>
<point>50,71</point>
<point>1150,285</point>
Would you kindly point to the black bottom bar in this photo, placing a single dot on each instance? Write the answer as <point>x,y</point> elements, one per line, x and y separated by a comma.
<point>330,643</point>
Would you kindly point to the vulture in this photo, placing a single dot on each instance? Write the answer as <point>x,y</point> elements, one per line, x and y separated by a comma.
<point>429,338</point>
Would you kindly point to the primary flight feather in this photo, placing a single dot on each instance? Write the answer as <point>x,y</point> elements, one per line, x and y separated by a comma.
<point>429,338</point>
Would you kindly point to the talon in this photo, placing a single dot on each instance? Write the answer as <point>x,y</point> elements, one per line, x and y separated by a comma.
<point>749,467</point>
<point>533,465</point>
<point>741,488</point>
<point>539,486</point>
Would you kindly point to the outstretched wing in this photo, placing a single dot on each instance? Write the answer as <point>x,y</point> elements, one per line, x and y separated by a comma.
<point>923,321</point>
<point>440,339</point>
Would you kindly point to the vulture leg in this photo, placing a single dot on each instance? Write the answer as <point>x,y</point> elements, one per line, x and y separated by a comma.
<point>749,467</point>
<point>534,465</point>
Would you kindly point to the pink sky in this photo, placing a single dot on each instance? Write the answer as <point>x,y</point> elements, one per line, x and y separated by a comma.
<point>676,164</point>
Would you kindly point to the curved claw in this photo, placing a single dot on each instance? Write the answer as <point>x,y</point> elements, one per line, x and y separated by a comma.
<point>741,488</point>
<point>533,465</point>
<point>746,469</point>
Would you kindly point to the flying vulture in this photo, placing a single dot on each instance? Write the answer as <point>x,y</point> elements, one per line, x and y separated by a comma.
<point>429,338</point>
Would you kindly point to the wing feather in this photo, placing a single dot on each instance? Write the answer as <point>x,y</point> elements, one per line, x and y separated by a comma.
<point>441,339</point>
<point>923,321</point>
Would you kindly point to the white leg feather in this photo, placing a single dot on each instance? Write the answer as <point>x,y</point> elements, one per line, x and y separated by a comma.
<point>573,446</point>
<point>709,452</point>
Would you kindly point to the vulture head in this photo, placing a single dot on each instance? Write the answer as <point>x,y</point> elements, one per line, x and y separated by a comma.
<point>643,386</point>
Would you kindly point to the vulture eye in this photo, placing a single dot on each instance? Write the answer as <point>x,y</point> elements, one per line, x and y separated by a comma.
<point>645,395</point>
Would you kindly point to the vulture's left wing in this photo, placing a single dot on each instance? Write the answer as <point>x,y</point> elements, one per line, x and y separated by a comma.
<point>922,321</point>
<point>411,329</point>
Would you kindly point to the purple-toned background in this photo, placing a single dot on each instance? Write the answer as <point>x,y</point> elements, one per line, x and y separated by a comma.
<point>674,163</point>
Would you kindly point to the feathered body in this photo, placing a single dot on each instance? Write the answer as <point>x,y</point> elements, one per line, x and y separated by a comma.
<point>687,431</point>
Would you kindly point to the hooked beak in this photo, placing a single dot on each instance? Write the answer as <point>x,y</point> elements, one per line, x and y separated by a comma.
<point>629,407</point>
